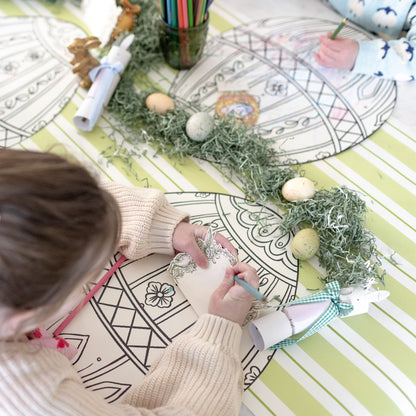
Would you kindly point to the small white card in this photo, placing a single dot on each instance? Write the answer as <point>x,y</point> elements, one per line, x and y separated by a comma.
<point>198,284</point>
<point>101,17</point>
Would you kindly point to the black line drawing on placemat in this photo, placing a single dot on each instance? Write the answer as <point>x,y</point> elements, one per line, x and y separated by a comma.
<point>140,310</point>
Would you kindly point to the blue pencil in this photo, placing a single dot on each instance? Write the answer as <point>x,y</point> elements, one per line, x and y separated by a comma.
<point>250,288</point>
<point>169,12</point>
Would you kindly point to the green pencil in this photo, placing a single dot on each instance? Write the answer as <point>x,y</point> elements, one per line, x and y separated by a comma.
<point>190,13</point>
<point>338,29</point>
<point>249,288</point>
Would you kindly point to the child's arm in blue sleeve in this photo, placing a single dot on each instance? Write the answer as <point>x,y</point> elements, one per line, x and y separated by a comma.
<point>392,59</point>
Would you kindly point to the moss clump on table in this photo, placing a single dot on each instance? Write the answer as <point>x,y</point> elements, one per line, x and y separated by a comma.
<point>347,250</point>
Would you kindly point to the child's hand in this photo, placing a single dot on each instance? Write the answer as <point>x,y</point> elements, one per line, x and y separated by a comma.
<point>231,301</point>
<point>184,240</point>
<point>339,53</point>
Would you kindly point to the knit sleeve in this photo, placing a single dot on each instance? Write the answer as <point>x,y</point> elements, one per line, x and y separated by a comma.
<point>148,220</point>
<point>200,371</point>
<point>199,374</point>
<point>392,59</point>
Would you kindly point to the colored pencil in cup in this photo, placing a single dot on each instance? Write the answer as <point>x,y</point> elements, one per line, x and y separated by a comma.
<point>201,18</point>
<point>163,9</point>
<point>339,28</point>
<point>197,11</point>
<point>169,12</point>
<point>190,13</point>
<point>185,13</point>
<point>174,8</point>
<point>180,14</point>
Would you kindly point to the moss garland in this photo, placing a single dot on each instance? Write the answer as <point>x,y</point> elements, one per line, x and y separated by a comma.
<point>347,250</point>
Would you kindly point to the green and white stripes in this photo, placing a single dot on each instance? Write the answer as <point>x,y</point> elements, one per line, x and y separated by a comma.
<point>360,365</point>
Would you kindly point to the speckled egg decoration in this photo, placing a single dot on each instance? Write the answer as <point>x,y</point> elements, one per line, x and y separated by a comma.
<point>305,244</point>
<point>298,189</point>
<point>199,126</point>
<point>159,102</point>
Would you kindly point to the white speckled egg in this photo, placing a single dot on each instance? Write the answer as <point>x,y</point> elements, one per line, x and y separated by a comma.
<point>298,189</point>
<point>305,244</point>
<point>199,126</point>
<point>159,102</point>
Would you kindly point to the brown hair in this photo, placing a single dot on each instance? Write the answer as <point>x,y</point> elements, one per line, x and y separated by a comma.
<point>56,226</point>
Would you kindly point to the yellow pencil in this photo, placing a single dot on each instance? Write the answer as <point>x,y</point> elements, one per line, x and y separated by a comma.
<point>338,29</point>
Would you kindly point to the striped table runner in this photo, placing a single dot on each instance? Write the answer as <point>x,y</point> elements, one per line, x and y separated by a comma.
<point>362,365</point>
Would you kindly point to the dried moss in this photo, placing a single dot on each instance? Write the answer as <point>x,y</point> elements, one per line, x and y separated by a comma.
<point>347,249</point>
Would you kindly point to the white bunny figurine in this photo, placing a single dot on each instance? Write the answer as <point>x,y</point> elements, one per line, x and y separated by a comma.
<point>360,298</point>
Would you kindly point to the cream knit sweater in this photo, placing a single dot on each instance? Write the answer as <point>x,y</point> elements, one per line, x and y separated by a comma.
<point>198,374</point>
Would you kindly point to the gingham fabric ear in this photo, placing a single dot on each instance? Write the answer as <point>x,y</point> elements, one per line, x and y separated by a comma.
<point>336,308</point>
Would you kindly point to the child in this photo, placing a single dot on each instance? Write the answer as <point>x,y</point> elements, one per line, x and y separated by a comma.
<point>57,230</point>
<point>391,59</point>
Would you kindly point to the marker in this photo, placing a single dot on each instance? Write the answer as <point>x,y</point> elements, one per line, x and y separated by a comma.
<point>250,288</point>
<point>338,29</point>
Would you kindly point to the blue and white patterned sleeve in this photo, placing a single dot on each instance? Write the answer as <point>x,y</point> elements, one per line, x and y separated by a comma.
<point>392,59</point>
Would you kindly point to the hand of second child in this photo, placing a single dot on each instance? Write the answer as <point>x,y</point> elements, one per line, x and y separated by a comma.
<point>231,301</point>
<point>184,239</point>
<point>339,53</point>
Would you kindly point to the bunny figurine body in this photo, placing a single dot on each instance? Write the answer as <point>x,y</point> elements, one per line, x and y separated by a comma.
<point>310,314</point>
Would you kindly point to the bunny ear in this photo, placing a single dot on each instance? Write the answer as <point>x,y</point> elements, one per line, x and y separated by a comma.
<point>377,295</point>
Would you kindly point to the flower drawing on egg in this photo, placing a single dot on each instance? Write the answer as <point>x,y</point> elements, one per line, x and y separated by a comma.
<point>240,105</point>
<point>159,294</point>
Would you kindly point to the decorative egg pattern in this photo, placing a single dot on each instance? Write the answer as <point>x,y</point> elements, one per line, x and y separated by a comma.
<point>308,111</point>
<point>36,79</point>
<point>140,310</point>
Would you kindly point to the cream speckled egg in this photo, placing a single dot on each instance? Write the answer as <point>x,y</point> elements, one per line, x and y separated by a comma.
<point>298,189</point>
<point>159,102</point>
<point>199,126</point>
<point>305,244</point>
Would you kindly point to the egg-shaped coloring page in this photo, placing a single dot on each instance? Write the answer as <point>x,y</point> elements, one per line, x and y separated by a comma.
<point>307,111</point>
<point>142,309</point>
<point>36,79</point>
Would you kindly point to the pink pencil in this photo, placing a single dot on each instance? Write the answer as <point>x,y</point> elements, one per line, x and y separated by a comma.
<point>185,13</point>
<point>87,298</point>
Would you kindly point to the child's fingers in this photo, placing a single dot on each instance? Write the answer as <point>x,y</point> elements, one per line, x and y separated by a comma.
<point>327,44</point>
<point>326,57</point>
<point>247,273</point>
<point>197,255</point>
<point>220,239</point>
<point>318,59</point>
<point>226,284</point>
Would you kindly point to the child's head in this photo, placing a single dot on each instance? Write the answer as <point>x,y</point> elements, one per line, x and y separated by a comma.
<point>57,226</point>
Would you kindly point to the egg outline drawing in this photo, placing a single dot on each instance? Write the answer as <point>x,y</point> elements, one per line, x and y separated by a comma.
<point>41,82</point>
<point>119,318</point>
<point>322,112</point>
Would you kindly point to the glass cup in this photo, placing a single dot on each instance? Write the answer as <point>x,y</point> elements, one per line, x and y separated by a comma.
<point>182,48</point>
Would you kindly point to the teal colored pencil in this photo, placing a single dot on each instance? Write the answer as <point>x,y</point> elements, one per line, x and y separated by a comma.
<point>174,13</point>
<point>249,288</point>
